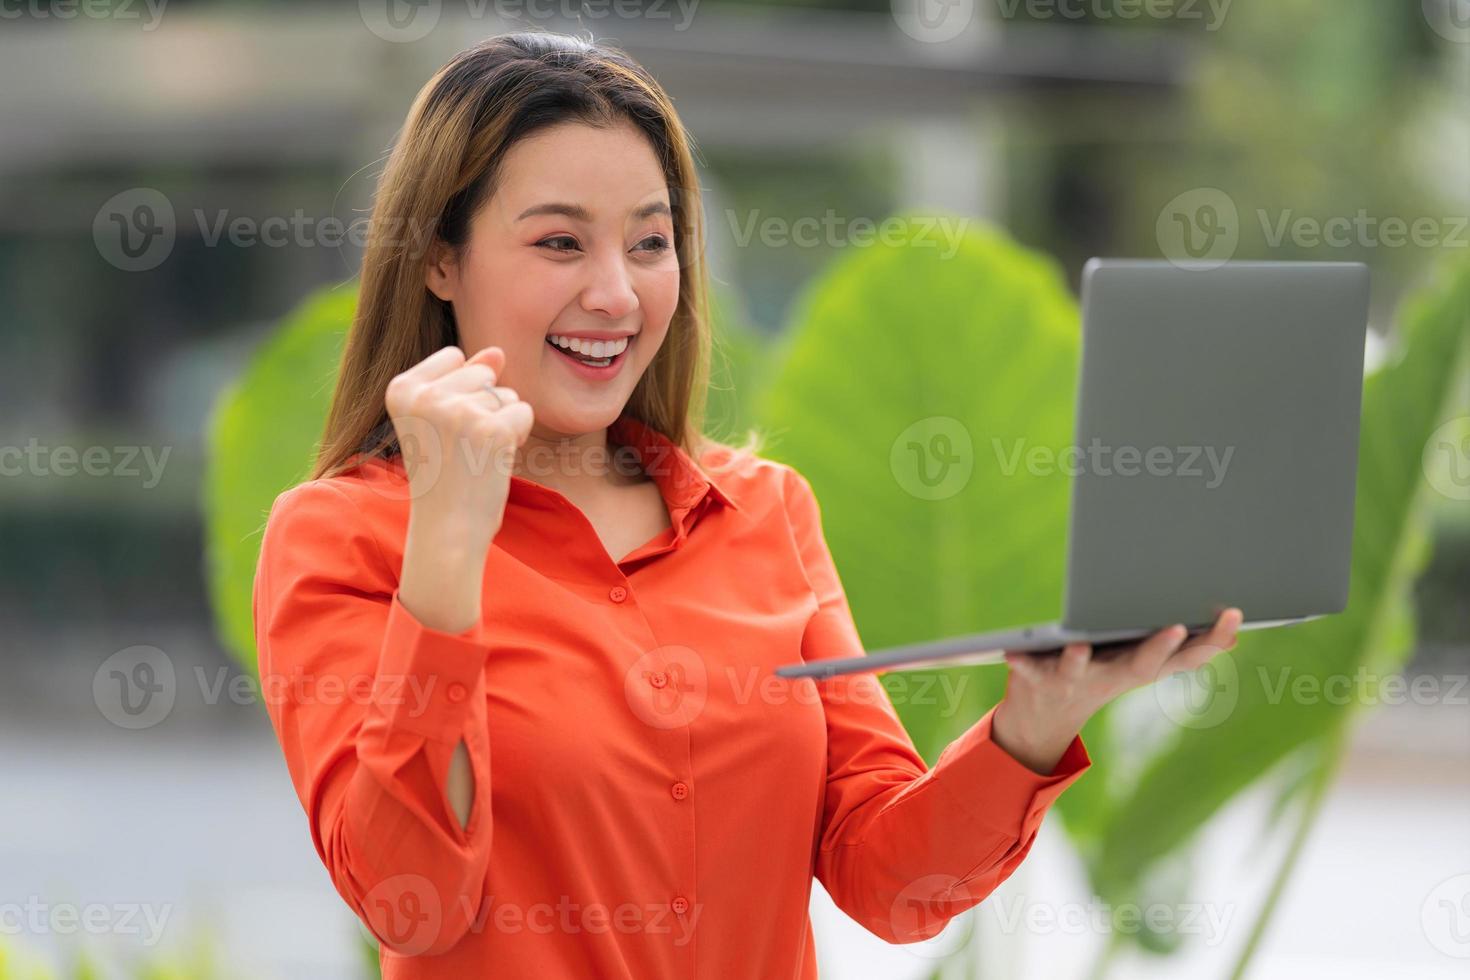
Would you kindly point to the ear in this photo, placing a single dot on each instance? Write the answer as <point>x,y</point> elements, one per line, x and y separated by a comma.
<point>441,271</point>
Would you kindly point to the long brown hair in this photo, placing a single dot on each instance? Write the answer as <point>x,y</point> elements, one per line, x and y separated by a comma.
<point>445,165</point>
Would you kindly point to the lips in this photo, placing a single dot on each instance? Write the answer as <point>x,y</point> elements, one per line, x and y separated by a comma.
<point>592,370</point>
<point>591,351</point>
<point>594,335</point>
<point>590,345</point>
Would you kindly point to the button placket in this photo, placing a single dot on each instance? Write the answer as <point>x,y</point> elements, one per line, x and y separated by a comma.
<point>679,790</point>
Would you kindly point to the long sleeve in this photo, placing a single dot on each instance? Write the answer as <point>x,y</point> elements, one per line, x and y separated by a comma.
<point>902,848</point>
<point>369,706</point>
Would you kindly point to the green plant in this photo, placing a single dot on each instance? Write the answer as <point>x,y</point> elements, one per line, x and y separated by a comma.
<point>990,555</point>
<point>199,960</point>
<point>262,438</point>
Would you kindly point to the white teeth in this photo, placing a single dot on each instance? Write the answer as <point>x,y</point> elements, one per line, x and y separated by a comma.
<point>591,348</point>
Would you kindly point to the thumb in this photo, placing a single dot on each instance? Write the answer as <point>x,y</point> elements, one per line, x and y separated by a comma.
<point>492,357</point>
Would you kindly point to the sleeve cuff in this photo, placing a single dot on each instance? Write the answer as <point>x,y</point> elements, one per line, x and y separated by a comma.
<point>429,680</point>
<point>995,788</point>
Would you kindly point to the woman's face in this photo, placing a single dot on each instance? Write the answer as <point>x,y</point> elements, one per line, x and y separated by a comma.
<point>577,241</point>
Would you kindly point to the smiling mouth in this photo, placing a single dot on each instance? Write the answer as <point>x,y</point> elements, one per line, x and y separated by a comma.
<point>597,354</point>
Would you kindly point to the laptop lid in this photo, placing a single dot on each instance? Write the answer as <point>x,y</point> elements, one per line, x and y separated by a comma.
<point>1216,441</point>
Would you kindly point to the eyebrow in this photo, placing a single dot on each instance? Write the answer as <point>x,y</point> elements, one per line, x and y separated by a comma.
<point>580,213</point>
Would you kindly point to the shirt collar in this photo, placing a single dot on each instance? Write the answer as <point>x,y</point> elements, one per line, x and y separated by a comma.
<point>680,480</point>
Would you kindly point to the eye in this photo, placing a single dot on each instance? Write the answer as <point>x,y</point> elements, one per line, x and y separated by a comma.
<point>655,244</point>
<point>544,243</point>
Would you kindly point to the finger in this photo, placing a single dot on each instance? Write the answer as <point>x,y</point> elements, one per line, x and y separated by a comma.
<point>1074,660</point>
<point>509,431</point>
<point>1233,618</point>
<point>480,395</point>
<point>1192,658</point>
<point>1150,655</point>
<point>520,417</point>
<point>1022,664</point>
<point>1222,635</point>
<point>439,363</point>
<point>468,378</point>
<point>506,395</point>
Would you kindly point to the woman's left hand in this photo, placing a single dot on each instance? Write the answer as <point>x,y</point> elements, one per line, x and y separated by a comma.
<point>1049,696</point>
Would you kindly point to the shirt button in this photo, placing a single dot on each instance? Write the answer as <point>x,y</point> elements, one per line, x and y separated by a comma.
<point>680,790</point>
<point>457,692</point>
<point>681,905</point>
<point>617,593</point>
<point>659,679</point>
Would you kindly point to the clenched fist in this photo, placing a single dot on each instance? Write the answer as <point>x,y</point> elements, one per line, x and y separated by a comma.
<point>458,441</point>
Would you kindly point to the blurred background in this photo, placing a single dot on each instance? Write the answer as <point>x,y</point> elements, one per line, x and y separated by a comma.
<point>899,198</point>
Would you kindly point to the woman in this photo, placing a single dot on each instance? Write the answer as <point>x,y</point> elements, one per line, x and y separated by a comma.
<point>524,618</point>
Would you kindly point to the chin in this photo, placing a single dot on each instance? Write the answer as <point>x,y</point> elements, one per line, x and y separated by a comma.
<point>577,420</point>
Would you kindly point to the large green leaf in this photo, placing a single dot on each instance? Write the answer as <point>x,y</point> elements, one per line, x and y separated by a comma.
<point>904,355</point>
<point>262,439</point>
<point>1249,727</point>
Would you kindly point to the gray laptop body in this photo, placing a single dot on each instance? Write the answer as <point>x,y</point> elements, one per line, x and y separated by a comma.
<point>1245,381</point>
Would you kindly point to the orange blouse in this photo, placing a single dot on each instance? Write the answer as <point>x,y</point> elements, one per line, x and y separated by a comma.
<point>651,801</point>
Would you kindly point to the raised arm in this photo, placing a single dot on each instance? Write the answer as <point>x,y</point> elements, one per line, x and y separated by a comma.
<point>903,848</point>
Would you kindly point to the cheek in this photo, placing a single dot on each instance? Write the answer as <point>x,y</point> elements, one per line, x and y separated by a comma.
<point>658,295</point>
<point>510,300</point>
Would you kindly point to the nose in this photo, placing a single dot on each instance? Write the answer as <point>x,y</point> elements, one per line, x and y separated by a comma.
<point>609,289</point>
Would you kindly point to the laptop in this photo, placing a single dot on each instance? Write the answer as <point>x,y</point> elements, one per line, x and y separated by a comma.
<point>1246,382</point>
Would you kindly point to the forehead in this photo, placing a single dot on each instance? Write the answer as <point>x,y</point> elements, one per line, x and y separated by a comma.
<point>611,171</point>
